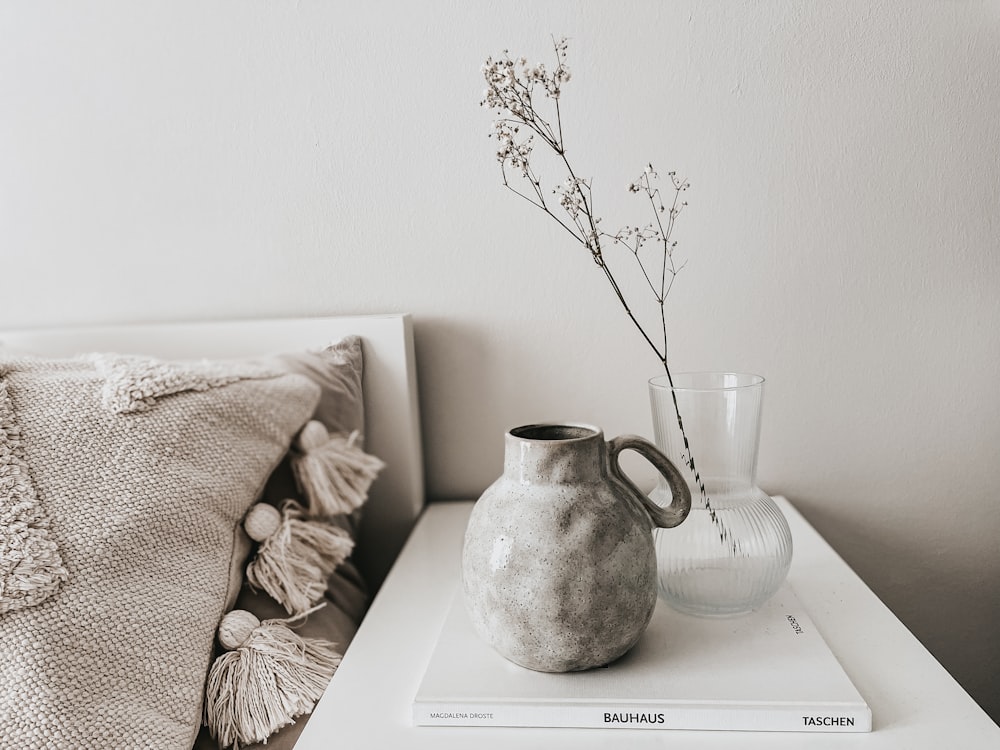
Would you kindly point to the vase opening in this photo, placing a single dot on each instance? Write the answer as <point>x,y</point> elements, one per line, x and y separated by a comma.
<point>554,432</point>
<point>708,381</point>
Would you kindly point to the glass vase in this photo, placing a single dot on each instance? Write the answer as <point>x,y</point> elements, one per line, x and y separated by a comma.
<point>733,551</point>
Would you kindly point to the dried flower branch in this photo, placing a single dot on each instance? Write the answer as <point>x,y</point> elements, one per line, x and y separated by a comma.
<point>514,90</point>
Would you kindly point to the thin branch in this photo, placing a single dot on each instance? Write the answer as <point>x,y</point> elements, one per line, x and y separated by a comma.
<point>512,91</point>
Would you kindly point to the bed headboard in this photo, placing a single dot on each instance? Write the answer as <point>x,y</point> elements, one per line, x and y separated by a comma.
<point>392,425</point>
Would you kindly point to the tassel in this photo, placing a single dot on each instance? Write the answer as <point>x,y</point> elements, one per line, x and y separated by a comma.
<point>332,471</point>
<point>268,677</point>
<point>295,557</point>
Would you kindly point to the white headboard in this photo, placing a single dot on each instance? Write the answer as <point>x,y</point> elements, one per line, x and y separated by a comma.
<point>392,424</point>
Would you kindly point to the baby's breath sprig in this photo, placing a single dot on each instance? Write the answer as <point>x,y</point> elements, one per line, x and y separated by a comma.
<point>514,89</point>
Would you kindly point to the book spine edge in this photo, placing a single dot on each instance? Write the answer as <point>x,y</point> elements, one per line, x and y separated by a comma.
<point>838,719</point>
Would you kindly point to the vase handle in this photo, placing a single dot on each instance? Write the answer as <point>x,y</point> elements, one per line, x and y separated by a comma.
<point>680,504</point>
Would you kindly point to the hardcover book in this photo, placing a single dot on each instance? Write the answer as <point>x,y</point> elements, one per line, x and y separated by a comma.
<point>770,670</point>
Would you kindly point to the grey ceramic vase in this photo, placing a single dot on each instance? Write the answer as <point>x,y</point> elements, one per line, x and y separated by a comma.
<point>558,563</point>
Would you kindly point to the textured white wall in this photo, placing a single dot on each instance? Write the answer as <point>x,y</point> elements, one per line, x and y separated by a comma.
<point>185,160</point>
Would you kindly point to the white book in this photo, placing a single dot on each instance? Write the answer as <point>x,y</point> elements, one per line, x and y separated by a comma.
<point>770,670</point>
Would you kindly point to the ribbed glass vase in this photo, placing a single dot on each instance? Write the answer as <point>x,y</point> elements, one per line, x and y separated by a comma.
<point>733,551</point>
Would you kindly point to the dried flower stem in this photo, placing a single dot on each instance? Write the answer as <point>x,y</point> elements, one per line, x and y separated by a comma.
<point>511,89</point>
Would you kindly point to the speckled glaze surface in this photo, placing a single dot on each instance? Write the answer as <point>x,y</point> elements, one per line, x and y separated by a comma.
<point>558,565</point>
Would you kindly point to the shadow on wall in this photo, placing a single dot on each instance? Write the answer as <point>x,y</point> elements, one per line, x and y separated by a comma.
<point>457,383</point>
<point>477,380</point>
<point>948,612</point>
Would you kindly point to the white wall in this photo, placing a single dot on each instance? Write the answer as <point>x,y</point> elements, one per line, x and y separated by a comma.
<point>182,160</point>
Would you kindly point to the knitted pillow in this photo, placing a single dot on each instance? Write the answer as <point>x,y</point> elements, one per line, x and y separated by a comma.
<point>338,371</point>
<point>123,482</point>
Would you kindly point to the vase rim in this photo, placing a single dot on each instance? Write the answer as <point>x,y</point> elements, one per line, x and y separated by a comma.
<point>707,381</point>
<point>547,432</point>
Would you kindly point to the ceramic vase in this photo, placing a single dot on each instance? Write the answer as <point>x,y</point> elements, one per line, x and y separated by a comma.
<point>558,564</point>
<point>735,549</point>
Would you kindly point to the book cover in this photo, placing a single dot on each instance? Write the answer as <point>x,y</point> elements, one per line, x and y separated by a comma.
<point>770,670</point>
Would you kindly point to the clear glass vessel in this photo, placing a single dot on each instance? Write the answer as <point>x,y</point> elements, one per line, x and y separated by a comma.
<point>733,551</point>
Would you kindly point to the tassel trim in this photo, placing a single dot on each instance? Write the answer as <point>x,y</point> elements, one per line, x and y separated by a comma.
<point>333,472</point>
<point>296,556</point>
<point>270,677</point>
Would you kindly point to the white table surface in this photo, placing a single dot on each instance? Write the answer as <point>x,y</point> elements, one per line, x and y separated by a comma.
<point>915,703</point>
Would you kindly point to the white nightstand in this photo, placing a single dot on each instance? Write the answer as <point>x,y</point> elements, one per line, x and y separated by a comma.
<point>915,703</point>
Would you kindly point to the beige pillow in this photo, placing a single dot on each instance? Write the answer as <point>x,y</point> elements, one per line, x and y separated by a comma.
<point>338,370</point>
<point>142,471</point>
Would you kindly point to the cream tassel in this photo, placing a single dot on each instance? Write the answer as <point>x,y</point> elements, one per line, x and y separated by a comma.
<point>332,471</point>
<point>296,556</point>
<point>267,678</point>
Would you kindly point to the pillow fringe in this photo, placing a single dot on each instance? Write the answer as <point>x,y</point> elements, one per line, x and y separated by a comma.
<point>31,568</point>
<point>295,556</point>
<point>135,383</point>
<point>333,472</point>
<point>268,678</point>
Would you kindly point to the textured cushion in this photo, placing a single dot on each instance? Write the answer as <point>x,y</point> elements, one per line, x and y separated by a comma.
<point>140,474</point>
<point>338,370</point>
